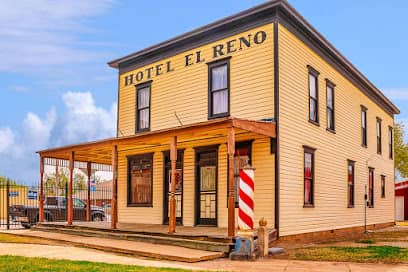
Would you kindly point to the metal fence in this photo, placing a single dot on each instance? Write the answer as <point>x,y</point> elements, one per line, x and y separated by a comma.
<point>19,204</point>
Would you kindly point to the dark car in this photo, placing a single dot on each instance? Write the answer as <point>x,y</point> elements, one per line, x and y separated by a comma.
<point>55,209</point>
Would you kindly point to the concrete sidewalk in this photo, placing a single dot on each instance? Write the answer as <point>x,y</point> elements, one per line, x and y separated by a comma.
<point>270,265</point>
<point>135,248</point>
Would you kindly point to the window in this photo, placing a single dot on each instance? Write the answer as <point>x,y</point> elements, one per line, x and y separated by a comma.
<point>382,186</point>
<point>140,180</point>
<point>218,89</point>
<point>143,107</point>
<point>78,203</point>
<point>370,201</point>
<point>390,143</point>
<point>363,126</point>
<point>350,184</point>
<point>242,158</point>
<point>313,96</point>
<point>379,145</point>
<point>308,177</point>
<point>330,105</point>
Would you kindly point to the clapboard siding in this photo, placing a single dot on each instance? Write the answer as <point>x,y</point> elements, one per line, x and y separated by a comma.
<point>185,90</point>
<point>332,150</point>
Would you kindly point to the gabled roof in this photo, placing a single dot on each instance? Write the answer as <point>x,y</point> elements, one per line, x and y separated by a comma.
<point>276,10</point>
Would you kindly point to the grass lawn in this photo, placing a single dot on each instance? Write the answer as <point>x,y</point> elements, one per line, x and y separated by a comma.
<point>384,254</point>
<point>13,263</point>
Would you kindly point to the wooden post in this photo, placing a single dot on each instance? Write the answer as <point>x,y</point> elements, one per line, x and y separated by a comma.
<point>114,214</point>
<point>88,197</point>
<point>41,197</point>
<point>71,180</point>
<point>231,183</point>
<point>57,177</point>
<point>173,160</point>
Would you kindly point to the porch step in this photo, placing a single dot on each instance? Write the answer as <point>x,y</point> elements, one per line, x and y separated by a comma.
<point>121,246</point>
<point>213,244</point>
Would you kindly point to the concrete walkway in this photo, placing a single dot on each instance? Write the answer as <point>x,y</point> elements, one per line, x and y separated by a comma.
<point>270,265</point>
<point>157,251</point>
<point>80,254</point>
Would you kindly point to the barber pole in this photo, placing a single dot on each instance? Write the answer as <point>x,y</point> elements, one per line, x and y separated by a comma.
<point>246,200</point>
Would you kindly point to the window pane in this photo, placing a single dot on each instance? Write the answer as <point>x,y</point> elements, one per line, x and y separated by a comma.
<point>330,97</point>
<point>140,181</point>
<point>363,119</point>
<point>378,128</point>
<point>312,86</point>
<point>144,118</point>
<point>330,118</point>
<point>308,191</point>
<point>313,112</point>
<point>219,78</point>
<point>143,98</point>
<point>308,165</point>
<point>220,102</point>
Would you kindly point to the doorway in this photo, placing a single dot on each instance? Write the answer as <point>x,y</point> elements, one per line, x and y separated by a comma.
<point>206,185</point>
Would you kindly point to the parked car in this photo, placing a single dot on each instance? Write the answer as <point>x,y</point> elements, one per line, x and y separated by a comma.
<point>55,209</point>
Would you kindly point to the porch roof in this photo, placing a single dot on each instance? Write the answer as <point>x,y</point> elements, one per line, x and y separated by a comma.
<point>101,151</point>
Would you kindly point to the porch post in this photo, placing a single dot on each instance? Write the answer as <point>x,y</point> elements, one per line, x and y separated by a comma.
<point>88,191</point>
<point>71,179</point>
<point>114,214</point>
<point>56,177</point>
<point>173,160</point>
<point>41,197</point>
<point>231,185</point>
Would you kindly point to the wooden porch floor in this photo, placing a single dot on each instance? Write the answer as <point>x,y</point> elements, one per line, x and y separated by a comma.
<point>197,231</point>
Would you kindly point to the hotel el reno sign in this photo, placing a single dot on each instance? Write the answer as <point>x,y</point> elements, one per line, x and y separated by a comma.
<point>218,50</point>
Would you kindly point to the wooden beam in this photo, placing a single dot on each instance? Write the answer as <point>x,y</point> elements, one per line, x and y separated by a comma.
<point>88,196</point>
<point>173,160</point>
<point>258,127</point>
<point>41,204</point>
<point>71,181</point>
<point>114,215</point>
<point>231,183</point>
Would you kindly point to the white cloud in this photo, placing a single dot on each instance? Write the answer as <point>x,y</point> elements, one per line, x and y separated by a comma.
<point>397,94</point>
<point>43,33</point>
<point>82,121</point>
<point>6,139</point>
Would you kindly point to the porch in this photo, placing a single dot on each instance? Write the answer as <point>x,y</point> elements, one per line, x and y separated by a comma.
<point>116,154</point>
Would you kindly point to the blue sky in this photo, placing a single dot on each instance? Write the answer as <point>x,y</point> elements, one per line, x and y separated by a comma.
<point>57,89</point>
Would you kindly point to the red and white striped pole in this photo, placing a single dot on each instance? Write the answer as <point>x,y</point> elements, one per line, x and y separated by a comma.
<point>246,201</point>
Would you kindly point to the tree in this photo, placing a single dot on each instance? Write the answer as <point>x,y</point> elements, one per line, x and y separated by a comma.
<point>51,188</point>
<point>400,150</point>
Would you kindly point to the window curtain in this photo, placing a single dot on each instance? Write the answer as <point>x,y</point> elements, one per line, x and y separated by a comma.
<point>143,105</point>
<point>219,89</point>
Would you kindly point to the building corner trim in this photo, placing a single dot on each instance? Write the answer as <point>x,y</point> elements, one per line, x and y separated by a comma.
<point>276,115</point>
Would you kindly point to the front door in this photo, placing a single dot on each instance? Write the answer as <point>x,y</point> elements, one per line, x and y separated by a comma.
<point>206,186</point>
<point>179,187</point>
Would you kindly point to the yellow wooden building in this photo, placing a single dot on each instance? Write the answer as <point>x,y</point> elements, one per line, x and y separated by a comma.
<point>261,87</point>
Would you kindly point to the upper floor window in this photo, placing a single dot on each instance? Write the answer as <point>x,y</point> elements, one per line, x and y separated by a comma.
<point>143,107</point>
<point>140,180</point>
<point>330,105</point>
<point>313,95</point>
<point>363,126</point>
<point>218,89</point>
<point>382,186</point>
<point>350,184</point>
<point>308,184</point>
<point>379,142</point>
<point>370,200</point>
<point>390,142</point>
